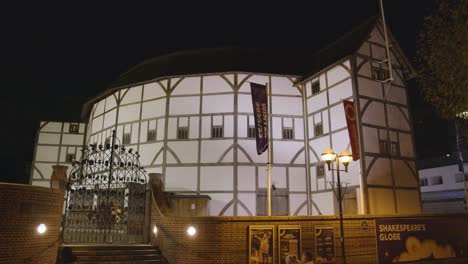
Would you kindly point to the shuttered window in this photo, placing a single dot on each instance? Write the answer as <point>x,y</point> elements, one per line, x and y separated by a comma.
<point>151,136</point>
<point>318,129</point>
<point>251,132</point>
<point>69,158</point>
<point>127,137</point>
<point>288,133</point>
<point>74,128</point>
<point>315,87</point>
<point>320,171</point>
<point>182,133</point>
<point>217,132</point>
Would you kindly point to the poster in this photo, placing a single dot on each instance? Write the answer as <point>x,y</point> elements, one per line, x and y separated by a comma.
<point>261,244</point>
<point>324,244</point>
<point>402,240</point>
<point>289,241</point>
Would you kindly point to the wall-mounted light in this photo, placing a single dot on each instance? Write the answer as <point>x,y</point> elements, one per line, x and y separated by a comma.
<point>191,231</point>
<point>155,230</point>
<point>41,228</point>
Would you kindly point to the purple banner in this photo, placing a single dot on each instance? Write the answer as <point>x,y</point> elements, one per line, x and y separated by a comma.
<point>260,108</point>
<point>403,240</point>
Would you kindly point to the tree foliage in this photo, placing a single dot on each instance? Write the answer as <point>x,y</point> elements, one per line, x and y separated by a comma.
<point>442,58</point>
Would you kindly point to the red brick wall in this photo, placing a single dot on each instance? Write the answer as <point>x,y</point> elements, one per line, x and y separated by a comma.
<point>22,209</point>
<point>225,239</point>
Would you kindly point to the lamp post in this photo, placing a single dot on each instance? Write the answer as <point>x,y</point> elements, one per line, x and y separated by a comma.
<point>328,155</point>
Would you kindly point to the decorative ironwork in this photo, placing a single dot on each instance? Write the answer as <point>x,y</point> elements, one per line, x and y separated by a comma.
<point>106,196</point>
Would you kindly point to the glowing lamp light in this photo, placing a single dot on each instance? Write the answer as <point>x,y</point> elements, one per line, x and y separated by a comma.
<point>41,228</point>
<point>191,231</point>
<point>155,230</point>
<point>345,157</point>
<point>328,155</point>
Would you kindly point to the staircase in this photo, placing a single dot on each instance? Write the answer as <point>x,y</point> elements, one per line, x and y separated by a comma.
<point>117,254</point>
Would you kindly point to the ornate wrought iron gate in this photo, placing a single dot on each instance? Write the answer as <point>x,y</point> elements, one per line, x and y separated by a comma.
<point>106,196</point>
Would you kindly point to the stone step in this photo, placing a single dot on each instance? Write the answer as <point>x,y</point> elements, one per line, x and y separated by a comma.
<point>105,253</point>
<point>124,262</point>
<point>119,257</point>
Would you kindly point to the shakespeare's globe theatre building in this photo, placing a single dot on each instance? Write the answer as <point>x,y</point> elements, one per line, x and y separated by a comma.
<point>190,116</point>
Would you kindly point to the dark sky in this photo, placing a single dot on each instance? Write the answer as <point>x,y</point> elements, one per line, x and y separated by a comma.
<point>55,56</point>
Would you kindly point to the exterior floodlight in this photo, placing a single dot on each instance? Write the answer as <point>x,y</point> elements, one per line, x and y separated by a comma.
<point>345,158</point>
<point>155,230</point>
<point>41,228</point>
<point>191,231</point>
<point>328,155</point>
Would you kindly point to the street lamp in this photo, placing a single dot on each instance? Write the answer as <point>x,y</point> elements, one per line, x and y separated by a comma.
<point>345,157</point>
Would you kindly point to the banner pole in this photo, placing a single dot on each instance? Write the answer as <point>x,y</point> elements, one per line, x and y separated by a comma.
<point>268,156</point>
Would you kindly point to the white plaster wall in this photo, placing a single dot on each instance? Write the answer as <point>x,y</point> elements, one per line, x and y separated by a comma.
<point>153,109</point>
<point>249,200</point>
<point>187,86</point>
<point>132,95</point>
<point>48,138</point>
<point>297,180</point>
<point>337,74</point>
<point>246,178</point>
<point>215,84</point>
<point>181,179</point>
<point>324,202</point>
<point>52,127</point>
<point>153,90</point>
<point>216,178</point>
<point>218,103</point>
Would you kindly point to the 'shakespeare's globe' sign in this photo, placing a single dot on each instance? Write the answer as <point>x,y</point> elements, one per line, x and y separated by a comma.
<point>402,240</point>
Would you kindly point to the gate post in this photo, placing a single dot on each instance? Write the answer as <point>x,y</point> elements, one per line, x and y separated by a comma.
<point>154,185</point>
<point>58,179</point>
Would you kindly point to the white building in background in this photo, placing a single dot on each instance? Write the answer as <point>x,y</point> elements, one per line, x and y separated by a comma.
<point>190,116</point>
<point>57,143</point>
<point>443,186</point>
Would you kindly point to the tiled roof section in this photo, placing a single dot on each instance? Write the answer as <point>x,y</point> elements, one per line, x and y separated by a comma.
<point>344,46</point>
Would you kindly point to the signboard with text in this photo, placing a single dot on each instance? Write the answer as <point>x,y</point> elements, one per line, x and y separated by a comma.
<point>403,240</point>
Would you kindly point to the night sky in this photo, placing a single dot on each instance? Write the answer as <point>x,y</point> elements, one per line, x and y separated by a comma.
<point>56,56</point>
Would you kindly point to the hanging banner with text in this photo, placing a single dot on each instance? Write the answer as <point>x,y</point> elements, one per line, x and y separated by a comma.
<point>260,108</point>
<point>402,240</point>
<point>352,128</point>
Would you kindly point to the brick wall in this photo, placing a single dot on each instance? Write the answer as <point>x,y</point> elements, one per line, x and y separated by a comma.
<point>22,209</point>
<point>225,239</point>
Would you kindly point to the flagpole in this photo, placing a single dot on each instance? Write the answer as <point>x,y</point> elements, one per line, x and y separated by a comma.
<point>268,157</point>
